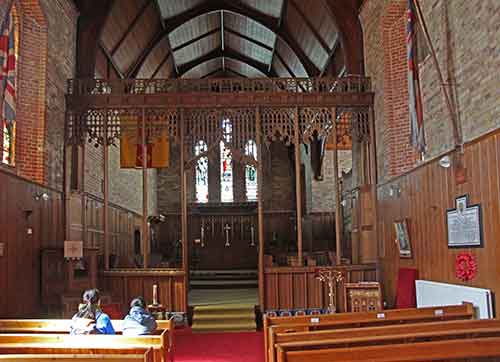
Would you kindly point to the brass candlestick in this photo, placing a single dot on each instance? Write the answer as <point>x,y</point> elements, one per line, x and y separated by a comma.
<point>332,277</point>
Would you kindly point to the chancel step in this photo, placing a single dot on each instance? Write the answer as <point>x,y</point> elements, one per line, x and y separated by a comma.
<point>224,278</point>
<point>224,318</point>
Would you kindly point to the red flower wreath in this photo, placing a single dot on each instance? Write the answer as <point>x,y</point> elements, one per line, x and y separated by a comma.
<point>465,266</point>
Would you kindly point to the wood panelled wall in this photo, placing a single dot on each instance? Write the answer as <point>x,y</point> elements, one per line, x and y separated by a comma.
<point>298,288</point>
<point>425,194</point>
<point>318,231</point>
<point>26,226</point>
<point>122,226</point>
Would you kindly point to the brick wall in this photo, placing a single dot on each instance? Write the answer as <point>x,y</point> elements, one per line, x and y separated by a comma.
<point>465,37</point>
<point>125,185</point>
<point>61,18</point>
<point>323,192</point>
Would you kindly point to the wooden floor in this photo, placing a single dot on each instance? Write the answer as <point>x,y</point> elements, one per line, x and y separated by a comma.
<point>223,296</point>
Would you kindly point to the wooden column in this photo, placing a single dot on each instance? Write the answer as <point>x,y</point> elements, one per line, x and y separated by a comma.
<point>336,181</point>
<point>106,192</point>
<point>260,208</point>
<point>83,197</point>
<point>145,228</point>
<point>184,233</point>
<point>373,172</point>
<point>298,190</point>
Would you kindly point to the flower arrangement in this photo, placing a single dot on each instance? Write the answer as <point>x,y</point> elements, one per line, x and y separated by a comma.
<point>465,266</point>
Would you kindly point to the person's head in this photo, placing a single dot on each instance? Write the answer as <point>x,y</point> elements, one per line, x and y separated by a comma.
<point>138,302</point>
<point>92,296</point>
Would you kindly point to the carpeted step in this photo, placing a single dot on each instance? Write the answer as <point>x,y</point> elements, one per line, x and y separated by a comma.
<point>224,317</point>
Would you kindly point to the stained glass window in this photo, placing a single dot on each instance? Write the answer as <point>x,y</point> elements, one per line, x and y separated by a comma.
<point>201,175</point>
<point>251,172</point>
<point>226,163</point>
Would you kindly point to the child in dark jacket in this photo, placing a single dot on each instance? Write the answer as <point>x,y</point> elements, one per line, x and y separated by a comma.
<point>138,321</point>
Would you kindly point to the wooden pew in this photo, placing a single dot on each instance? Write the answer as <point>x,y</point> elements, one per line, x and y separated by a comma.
<point>273,325</point>
<point>86,344</point>
<point>447,350</point>
<point>146,357</point>
<point>62,325</point>
<point>424,332</point>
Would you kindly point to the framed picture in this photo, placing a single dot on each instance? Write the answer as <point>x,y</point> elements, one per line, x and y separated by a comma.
<point>464,224</point>
<point>402,238</point>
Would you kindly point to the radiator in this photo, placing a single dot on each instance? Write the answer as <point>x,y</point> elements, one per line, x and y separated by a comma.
<point>434,294</point>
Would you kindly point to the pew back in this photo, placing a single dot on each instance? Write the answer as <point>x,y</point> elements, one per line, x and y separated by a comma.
<point>86,344</point>
<point>146,357</point>
<point>409,337</point>
<point>446,350</point>
<point>273,325</point>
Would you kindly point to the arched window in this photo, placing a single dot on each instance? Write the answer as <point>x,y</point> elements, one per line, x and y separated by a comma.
<point>201,176</point>
<point>251,172</point>
<point>8,63</point>
<point>226,163</point>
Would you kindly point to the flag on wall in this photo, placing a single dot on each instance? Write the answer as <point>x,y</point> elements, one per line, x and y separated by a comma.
<point>131,151</point>
<point>414,99</point>
<point>8,71</point>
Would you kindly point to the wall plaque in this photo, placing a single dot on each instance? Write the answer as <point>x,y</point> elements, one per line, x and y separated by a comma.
<point>464,225</point>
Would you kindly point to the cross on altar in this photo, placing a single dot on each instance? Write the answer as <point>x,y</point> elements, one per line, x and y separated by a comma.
<point>226,229</point>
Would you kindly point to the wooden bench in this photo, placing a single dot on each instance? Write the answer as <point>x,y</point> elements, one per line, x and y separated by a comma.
<point>86,344</point>
<point>447,350</point>
<point>274,325</point>
<point>146,357</point>
<point>63,325</point>
<point>476,329</point>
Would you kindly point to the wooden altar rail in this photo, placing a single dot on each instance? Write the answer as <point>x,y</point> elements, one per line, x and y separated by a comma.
<point>298,288</point>
<point>347,84</point>
<point>125,284</point>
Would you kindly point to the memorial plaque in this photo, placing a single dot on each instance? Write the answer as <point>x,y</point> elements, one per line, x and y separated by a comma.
<point>464,225</point>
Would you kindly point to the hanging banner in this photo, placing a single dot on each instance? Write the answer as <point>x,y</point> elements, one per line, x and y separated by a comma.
<point>131,149</point>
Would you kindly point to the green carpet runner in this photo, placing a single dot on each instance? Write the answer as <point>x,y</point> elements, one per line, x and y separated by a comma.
<point>224,318</point>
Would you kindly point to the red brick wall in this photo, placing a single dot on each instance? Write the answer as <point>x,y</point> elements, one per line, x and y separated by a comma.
<point>401,156</point>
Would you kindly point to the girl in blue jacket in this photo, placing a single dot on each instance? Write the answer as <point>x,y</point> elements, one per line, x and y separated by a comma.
<point>138,321</point>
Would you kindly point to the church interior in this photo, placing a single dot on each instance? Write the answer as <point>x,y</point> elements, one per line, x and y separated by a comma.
<point>277,180</point>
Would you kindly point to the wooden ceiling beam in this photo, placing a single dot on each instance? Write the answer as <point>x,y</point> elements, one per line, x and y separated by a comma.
<point>330,55</point>
<point>227,53</point>
<point>136,67</point>
<point>209,74</point>
<point>273,24</point>
<point>311,27</point>
<point>160,65</point>
<point>284,6</point>
<point>92,18</point>
<point>194,40</point>
<point>288,69</point>
<point>236,73</point>
<point>251,40</point>
<point>111,60</point>
<point>345,16</point>
<point>137,17</point>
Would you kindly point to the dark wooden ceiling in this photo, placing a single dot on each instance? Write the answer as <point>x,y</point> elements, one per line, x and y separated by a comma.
<point>243,38</point>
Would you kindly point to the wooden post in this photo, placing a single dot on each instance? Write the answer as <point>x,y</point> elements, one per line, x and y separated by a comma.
<point>145,228</point>
<point>373,171</point>
<point>298,190</point>
<point>336,181</point>
<point>83,197</point>
<point>184,236</point>
<point>106,192</point>
<point>260,209</point>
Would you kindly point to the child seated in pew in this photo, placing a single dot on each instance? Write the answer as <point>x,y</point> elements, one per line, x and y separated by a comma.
<point>138,321</point>
<point>90,319</point>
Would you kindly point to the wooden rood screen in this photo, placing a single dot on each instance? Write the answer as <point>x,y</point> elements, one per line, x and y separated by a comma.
<point>294,110</point>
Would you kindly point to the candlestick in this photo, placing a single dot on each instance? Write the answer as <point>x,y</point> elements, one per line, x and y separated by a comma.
<point>252,235</point>
<point>155,294</point>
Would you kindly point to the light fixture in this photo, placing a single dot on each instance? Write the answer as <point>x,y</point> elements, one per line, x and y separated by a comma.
<point>445,161</point>
<point>41,196</point>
